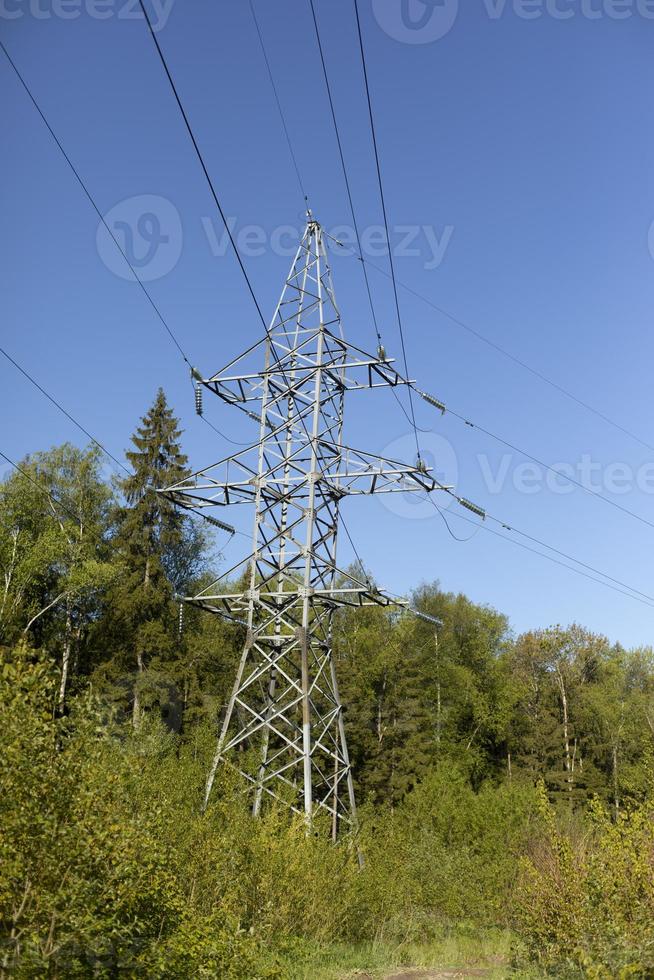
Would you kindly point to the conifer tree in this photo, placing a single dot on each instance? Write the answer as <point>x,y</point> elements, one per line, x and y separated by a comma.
<point>159,550</point>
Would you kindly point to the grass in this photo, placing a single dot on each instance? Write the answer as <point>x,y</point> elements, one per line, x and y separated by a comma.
<point>459,949</point>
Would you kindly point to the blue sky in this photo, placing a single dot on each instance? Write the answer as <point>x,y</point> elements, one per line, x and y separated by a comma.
<point>516,152</point>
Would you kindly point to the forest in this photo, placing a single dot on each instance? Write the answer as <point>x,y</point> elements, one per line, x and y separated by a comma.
<point>505,782</point>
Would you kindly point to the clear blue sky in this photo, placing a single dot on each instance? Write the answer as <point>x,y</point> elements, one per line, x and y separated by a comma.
<point>530,139</point>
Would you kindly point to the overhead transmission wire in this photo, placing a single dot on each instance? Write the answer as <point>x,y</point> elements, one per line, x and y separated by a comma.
<point>412,420</point>
<point>484,515</point>
<point>82,428</point>
<point>214,194</point>
<point>344,168</point>
<point>174,339</point>
<point>40,486</point>
<point>203,165</point>
<point>222,213</point>
<point>355,227</point>
<point>137,278</point>
<point>94,205</point>
<point>26,374</point>
<point>383,204</point>
<point>355,224</point>
<point>302,191</point>
<point>439,309</point>
<point>442,407</point>
<point>633,593</point>
<point>512,357</point>
<point>279,106</point>
<point>461,500</point>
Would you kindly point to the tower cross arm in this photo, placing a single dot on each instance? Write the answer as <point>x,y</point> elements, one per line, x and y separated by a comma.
<point>359,472</point>
<point>348,367</point>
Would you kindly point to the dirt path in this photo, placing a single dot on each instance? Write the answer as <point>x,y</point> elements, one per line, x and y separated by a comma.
<point>437,974</point>
<point>452,974</point>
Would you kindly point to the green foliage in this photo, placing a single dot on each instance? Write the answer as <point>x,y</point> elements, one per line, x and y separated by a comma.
<point>159,552</point>
<point>95,869</point>
<point>587,901</point>
<point>108,713</point>
<point>53,549</point>
<point>447,853</point>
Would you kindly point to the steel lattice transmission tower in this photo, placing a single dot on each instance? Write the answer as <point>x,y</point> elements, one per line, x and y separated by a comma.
<point>283,728</point>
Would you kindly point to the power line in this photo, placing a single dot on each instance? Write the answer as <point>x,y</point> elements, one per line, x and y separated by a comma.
<point>202,163</point>
<point>20,469</point>
<point>383,203</point>
<point>355,223</point>
<point>137,279</point>
<point>530,537</point>
<point>214,194</point>
<point>633,594</point>
<point>450,316</point>
<point>441,514</point>
<point>83,428</point>
<point>246,277</point>
<point>59,406</point>
<point>213,190</point>
<point>251,290</point>
<point>512,357</point>
<point>354,547</point>
<point>95,207</point>
<point>534,459</point>
<point>344,169</point>
<point>96,442</point>
<point>235,442</point>
<point>279,105</point>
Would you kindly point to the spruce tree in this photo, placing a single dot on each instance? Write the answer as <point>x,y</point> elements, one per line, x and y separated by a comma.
<point>157,547</point>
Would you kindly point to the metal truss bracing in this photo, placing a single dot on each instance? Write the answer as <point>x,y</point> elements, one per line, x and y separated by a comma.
<point>283,728</point>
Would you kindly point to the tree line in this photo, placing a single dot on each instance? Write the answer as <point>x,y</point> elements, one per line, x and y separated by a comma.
<point>449,729</point>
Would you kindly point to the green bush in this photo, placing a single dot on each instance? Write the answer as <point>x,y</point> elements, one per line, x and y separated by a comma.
<point>586,902</point>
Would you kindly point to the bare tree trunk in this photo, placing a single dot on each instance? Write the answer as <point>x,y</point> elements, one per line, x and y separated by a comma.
<point>616,795</point>
<point>9,573</point>
<point>569,766</point>
<point>136,706</point>
<point>42,611</point>
<point>508,765</point>
<point>439,715</point>
<point>65,662</point>
<point>393,758</point>
<point>380,702</point>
